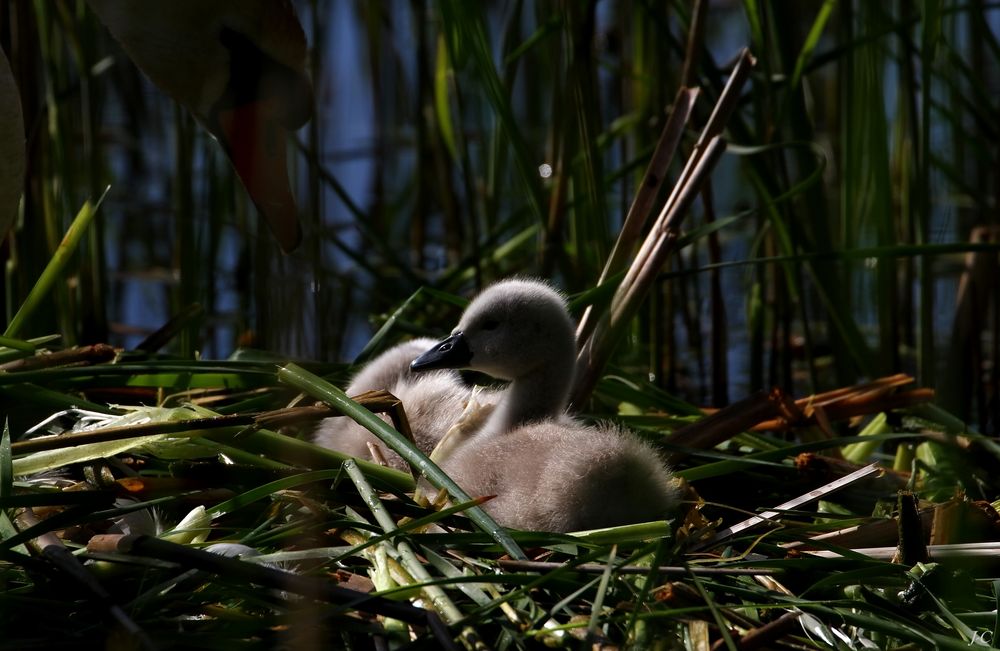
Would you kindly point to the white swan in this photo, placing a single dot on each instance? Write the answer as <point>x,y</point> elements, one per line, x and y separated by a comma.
<point>547,470</point>
<point>238,65</point>
<point>432,401</point>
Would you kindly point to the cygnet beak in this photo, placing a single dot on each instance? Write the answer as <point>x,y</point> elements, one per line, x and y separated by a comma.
<point>453,352</point>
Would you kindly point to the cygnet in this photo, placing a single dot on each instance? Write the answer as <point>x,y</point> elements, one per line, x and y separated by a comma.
<point>547,470</point>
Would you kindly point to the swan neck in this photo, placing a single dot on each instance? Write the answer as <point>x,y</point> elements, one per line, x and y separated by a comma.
<point>538,395</point>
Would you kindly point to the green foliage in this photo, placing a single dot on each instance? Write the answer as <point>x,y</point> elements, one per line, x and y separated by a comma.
<point>850,231</point>
<point>862,120</point>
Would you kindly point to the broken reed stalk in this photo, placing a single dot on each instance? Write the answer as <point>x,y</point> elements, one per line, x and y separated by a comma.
<point>93,354</point>
<point>597,346</point>
<point>815,494</point>
<point>725,423</point>
<point>52,548</point>
<point>600,568</point>
<point>912,546</point>
<point>850,408</point>
<point>785,413</point>
<point>642,203</point>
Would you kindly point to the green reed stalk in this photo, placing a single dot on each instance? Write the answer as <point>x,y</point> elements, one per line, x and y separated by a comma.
<point>53,270</point>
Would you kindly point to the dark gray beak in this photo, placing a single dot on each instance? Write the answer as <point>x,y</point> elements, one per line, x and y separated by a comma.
<point>453,352</point>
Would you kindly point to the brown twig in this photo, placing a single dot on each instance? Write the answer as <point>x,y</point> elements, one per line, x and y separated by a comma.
<point>597,568</point>
<point>82,356</point>
<point>763,636</point>
<point>725,423</point>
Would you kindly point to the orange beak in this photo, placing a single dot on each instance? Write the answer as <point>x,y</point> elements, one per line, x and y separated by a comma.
<point>256,145</point>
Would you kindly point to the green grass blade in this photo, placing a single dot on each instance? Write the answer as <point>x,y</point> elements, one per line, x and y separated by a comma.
<point>442,108</point>
<point>261,492</point>
<point>291,450</point>
<point>812,39</point>
<point>53,270</point>
<point>17,344</point>
<point>52,459</point>
<point>6,464</point>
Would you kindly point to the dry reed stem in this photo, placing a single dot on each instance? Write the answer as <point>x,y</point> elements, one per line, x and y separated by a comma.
<point>596,348</point>
<point>877,533</point>
<point>724,424</point>
<point>776,411</point>
<point>838,404</point>
<point>765,635</point>
<point>642,203</point>
<point>815,494</point>
<point>912,546</point>
<point>849,407</point>
<point>82,356</point>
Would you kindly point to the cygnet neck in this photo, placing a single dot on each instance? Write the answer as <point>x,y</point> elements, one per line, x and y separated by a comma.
<point>539,394</point>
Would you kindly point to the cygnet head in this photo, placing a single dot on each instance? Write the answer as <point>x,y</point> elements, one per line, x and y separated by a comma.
<point>512,330</point>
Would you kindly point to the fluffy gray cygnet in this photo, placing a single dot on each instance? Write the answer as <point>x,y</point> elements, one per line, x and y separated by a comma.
<point>548,471</point>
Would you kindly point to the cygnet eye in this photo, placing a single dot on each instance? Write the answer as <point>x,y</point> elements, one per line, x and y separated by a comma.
<point>492,324</point>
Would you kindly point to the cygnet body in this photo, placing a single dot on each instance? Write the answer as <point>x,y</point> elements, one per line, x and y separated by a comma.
<point>432,401</point>
<point>547,470</point>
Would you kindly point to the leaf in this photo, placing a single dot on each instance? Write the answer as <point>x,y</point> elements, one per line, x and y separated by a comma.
<point>6,464</point>
<point>52,459</point>
<point>442,107</point>
<point>53,270</point>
